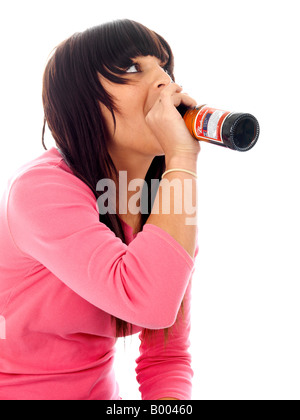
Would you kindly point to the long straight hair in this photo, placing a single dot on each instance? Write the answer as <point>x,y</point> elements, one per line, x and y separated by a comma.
<point>71,95</point>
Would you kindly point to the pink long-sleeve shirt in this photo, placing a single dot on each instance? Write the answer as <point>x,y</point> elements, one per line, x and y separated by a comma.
<point>64,274</point>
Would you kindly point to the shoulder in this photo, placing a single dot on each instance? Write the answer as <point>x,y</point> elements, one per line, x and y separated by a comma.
<point>47,175</point>
<point>44,197</point>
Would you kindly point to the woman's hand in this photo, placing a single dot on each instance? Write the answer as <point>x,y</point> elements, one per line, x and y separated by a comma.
<point>168,125</point>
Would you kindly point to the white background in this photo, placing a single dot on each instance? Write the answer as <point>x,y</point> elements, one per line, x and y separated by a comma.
<point>234,55</point>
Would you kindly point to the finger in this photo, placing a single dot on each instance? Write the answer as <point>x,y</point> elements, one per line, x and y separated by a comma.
<point>185,99</point>
<point>169,90</point>
<point>188,100</point>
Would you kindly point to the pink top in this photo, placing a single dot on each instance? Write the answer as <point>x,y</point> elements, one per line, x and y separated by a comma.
<point>63,274</point>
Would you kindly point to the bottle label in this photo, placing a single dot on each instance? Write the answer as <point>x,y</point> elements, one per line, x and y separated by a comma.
<point>208,123</point>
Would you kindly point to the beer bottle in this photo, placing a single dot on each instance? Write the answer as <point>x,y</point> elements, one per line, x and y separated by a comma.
<point>236,130</point>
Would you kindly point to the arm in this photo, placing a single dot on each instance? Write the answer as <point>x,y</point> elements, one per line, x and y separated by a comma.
<point>181,151</point>
<point>164,371</point>
<point>173,222</point>
<point>53,220</point>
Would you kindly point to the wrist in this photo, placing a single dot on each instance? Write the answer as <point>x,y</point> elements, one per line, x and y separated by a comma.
<point>184,162</point>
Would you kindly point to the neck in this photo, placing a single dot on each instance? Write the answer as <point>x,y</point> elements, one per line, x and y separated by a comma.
<point>131,171</point>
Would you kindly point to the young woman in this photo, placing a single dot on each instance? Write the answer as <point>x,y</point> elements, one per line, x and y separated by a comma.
<point>73,278</point>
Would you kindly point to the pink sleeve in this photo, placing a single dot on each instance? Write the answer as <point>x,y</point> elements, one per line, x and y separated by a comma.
<point>53,219</point>
<point>164,370</point>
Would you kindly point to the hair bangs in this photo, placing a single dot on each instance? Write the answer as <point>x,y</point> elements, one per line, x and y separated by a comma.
<point>120,41</point>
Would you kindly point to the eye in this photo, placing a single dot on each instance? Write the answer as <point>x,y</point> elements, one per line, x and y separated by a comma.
<point>135,68</point>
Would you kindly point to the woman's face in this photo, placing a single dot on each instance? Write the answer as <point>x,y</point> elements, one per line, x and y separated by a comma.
<point>134,100</point>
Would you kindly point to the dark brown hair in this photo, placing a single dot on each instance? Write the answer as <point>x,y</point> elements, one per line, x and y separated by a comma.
<point>71,95</point>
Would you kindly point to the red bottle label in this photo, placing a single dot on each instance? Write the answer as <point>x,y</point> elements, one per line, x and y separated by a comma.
<point>208,123</point>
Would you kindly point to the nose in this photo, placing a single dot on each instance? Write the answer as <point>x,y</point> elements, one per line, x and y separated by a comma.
<point>162,79</point>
